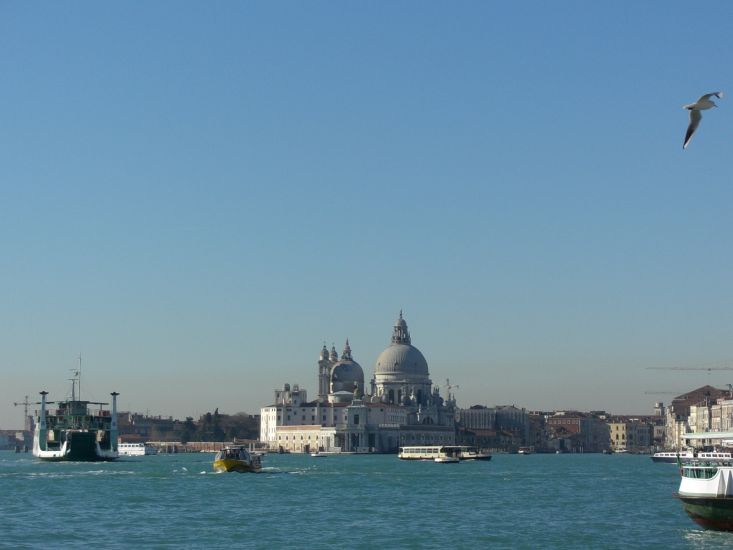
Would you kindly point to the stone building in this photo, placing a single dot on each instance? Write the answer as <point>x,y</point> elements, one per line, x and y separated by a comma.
<point>690,412</point>
<point>400,406</point>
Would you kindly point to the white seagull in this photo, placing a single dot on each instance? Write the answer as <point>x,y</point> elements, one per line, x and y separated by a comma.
<point>695,115</point>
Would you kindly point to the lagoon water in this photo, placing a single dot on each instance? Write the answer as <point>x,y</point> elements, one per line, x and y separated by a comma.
<point>358,501</point>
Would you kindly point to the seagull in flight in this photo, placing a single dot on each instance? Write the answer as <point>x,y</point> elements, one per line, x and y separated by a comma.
<point>695,115</point>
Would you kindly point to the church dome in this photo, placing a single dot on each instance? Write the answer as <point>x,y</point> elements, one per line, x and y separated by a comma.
<point>347,374</point>
<point>401,357</point>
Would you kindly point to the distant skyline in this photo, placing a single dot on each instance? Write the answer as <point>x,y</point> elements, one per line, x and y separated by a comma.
<point>195,197</point>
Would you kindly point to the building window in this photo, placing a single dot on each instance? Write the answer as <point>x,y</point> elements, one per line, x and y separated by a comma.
<point>356,419</point>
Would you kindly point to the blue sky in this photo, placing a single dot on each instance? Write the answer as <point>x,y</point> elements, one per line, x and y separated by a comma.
<point>196,196</point>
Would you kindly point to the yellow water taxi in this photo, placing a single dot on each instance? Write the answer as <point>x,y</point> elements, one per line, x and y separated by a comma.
<point>236,458</point>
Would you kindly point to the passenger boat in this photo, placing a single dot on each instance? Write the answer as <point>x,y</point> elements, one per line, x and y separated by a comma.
<point>136,449</point>
<point>236,458</point>
<point>706,492</point>
<point>437,453</point>
<point>673,456</point>
<point>714,455</point>
<point>72,431</point>
<point>690,454</point>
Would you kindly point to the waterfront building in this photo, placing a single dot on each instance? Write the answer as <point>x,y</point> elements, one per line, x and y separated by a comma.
<point>708,416</point>
<point>576,431</point>
<point>633,433</point>
<point>678,420</point>
<point>722,415</point>
<point>503,427</point>
<point>400,406</point>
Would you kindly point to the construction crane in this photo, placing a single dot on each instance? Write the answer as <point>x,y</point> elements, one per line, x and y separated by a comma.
<point>26,404</point>
<point>449,387</point>
<point>708,369</point>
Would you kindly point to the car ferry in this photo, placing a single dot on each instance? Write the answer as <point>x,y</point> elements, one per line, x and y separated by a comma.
<point>72,430</point>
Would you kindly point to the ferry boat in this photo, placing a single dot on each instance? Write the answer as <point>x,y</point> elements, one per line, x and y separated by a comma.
<point>427,452</point>
<point>136,449</point>
<point>690,454</point>
<point>706,492</point>
<point>673,456</point>
<point>73,431</point>
<point>236,458</point>
<point>714,455</point>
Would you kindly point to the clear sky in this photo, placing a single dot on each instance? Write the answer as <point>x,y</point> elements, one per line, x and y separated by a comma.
<point>196,195</point>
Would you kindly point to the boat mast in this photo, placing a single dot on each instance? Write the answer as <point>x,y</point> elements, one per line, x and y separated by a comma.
<point>76,381</point>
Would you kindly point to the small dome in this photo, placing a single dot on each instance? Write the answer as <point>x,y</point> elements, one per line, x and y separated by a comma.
<point>347,375</point>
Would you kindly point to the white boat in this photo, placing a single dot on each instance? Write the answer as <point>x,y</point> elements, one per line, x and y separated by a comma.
<point>437,453</point>
<point>706,492</point>
<point>136,449</point>
<point>714,455</point>
<point>673,456</point>
<point>447,459</point>
<point>318,454</point>
<point>690,454</point>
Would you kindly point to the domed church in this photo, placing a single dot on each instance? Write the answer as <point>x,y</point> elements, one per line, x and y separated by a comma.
<point>401,373</point>
<point>402,407</point>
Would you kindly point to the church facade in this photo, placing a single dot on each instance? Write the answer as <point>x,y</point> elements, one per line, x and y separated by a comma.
<point>399,407</point>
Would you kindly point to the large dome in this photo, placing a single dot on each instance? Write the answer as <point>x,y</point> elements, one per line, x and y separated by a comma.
<point>401,357</point>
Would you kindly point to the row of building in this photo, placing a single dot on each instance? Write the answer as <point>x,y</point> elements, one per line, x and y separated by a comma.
<point>400,406</point>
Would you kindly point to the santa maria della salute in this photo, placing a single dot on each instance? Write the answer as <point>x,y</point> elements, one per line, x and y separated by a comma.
<point>399,407</point>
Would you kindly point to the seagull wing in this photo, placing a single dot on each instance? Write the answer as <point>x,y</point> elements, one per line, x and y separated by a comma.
<point>695,117</point>
<point>711,94</point>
